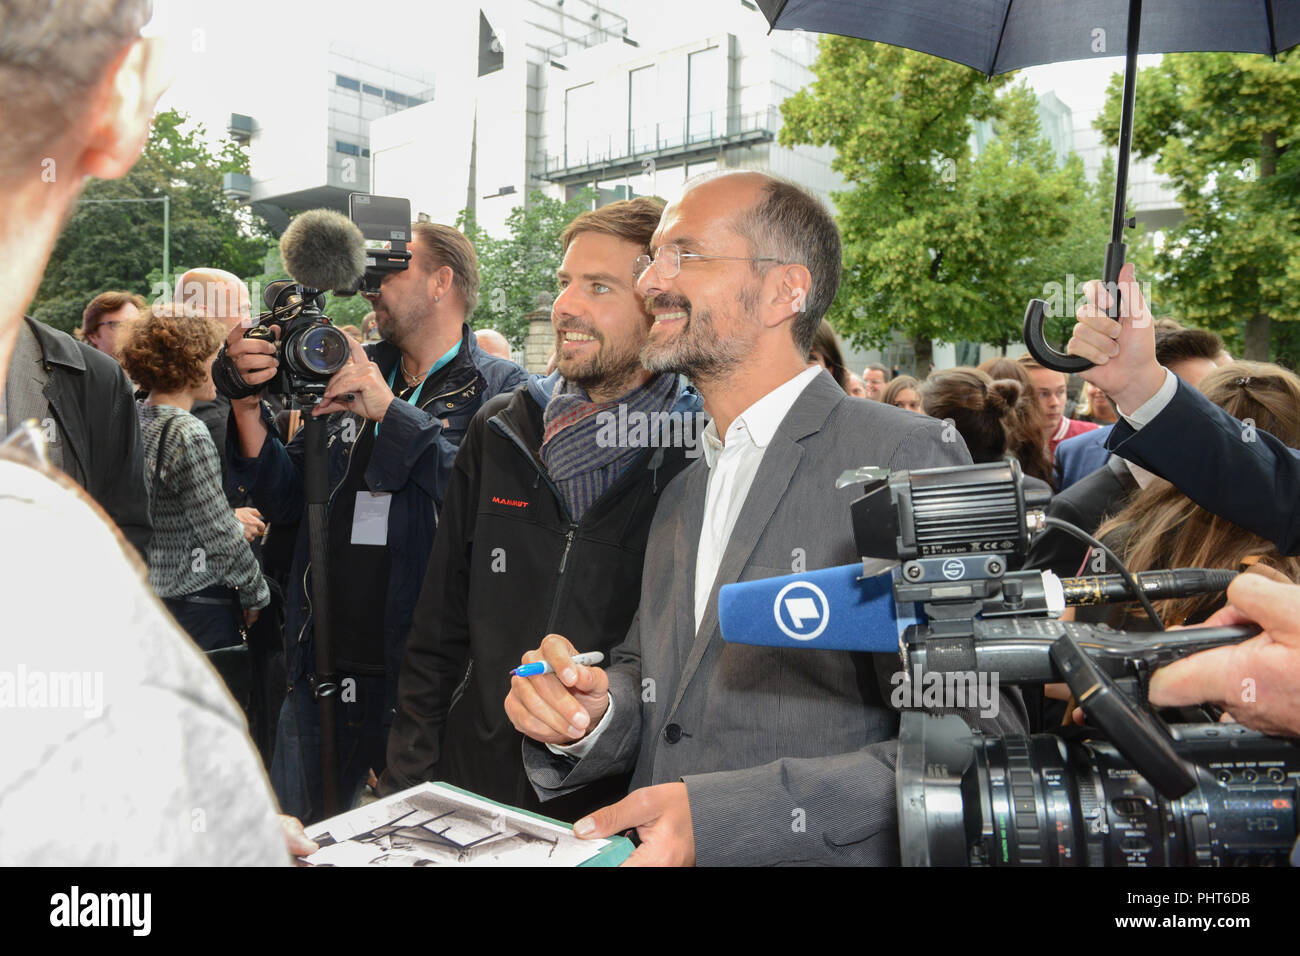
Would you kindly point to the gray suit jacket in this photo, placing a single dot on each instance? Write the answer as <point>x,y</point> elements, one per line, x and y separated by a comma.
<point>786,754</point>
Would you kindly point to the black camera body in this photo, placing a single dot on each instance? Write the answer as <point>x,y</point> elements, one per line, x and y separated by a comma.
<point>1129,789</point>
<point>310,349</point>
<point>323,250</point>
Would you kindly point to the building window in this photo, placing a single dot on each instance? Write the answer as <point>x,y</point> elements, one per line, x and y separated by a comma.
<point>348,148</point>
<point>348,83</point>
<point>641,110</point>
<point>372,90</point>
<point>706,95</point>
<point>365,153</point>
<point>579,124</point>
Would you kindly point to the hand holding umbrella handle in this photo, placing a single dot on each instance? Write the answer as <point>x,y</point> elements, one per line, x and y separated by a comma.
<point>1036,313</point>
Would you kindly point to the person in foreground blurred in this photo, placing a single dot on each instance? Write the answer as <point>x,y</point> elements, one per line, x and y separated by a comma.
<point>145,759</point>
<point>199,562</point>
<point>903,392</point>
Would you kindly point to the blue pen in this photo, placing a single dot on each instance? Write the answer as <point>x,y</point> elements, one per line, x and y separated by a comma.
<point>589,659</point>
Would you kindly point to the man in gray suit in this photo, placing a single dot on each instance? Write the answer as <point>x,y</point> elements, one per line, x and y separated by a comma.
<point>742,754</point>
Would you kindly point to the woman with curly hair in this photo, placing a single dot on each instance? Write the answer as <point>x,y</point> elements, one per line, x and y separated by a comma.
<point>199,562</point>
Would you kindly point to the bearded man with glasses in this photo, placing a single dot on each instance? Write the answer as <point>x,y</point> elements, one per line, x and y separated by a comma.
<point>740,754</point>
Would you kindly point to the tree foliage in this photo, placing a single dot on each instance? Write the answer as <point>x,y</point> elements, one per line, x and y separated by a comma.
<point>1221,126</point>
<point>517,271</point>
<point>119,245</point>
<point>940,243</point>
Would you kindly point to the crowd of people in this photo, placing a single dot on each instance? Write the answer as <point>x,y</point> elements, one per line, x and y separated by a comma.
<point>479,517</point>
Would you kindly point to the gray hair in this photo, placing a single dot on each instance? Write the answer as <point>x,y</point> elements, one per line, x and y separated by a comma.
<point>791,224</point>
<point>52,53</point>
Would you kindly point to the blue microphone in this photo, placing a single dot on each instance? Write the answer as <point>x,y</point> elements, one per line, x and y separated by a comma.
<point>830,609</point>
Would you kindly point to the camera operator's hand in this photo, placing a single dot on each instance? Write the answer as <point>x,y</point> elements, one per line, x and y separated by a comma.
<point>561,707</point>
<point>255,361</point>
<point>1125,351</point>
<point>362,380</point>
<point>1256,681</point>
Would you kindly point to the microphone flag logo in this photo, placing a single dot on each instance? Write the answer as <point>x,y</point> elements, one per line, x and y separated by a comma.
<point>801,610</point>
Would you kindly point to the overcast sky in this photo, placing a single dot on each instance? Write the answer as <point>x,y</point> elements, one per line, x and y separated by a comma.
<point>227,56</point>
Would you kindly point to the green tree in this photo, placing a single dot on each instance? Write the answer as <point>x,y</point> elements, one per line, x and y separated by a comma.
<point>118,245</point>
<point>940,244</point>
<point>1220,127</point>
<point>517,271</point>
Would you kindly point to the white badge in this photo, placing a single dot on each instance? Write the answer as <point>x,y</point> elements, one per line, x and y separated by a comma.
<point>370,518</point>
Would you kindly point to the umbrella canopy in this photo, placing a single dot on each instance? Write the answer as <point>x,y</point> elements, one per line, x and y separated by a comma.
<point>996,36</point>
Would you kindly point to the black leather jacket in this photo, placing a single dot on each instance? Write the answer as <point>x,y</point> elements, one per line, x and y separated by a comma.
<point>93,410</point>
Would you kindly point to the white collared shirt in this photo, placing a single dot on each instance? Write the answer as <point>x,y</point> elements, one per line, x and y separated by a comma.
<point>732,466</point>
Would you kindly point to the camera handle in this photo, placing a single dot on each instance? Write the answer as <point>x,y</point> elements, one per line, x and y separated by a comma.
<point>324,681</point>
<point>1138,738</point>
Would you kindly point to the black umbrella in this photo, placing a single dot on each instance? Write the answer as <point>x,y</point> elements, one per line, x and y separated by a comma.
<point>997,36</point>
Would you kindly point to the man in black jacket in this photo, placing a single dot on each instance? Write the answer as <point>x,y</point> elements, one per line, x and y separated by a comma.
<point>545,523</point>
<point>398,412</point>
<point>82,401</point>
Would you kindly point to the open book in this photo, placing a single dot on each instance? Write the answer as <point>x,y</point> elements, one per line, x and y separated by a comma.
<point>436,824</point>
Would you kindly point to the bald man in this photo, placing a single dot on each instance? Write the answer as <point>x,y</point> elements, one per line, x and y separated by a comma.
<point>493,343</point>
<point>222,296</point>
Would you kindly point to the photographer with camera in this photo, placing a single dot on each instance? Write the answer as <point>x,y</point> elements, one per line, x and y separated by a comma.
<point>398,409</point>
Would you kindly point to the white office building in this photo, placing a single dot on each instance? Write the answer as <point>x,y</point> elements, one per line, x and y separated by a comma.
<point>309,144</point>
<point>558,95</point>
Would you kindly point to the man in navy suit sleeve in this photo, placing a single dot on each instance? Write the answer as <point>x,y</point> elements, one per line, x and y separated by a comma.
<point>1226,466</point>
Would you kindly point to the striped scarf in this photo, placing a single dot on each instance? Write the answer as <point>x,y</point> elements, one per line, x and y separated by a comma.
<point>576,461</point>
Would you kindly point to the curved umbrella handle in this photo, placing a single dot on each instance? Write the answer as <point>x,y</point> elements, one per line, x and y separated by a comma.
<point>1037,312</point>
<point>1047,356</point>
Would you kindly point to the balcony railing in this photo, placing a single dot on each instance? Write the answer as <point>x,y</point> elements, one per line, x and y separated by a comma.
<point>678,137</point>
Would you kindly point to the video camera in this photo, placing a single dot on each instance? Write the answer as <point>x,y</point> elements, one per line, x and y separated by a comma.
<point>322,250</point>
<point>1129,789</point>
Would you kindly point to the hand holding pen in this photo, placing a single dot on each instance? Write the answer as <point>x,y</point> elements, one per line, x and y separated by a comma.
<point>562,702</point>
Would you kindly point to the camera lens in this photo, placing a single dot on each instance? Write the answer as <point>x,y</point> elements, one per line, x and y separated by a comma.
<point>322,350</point>
<point>1050,800</point>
